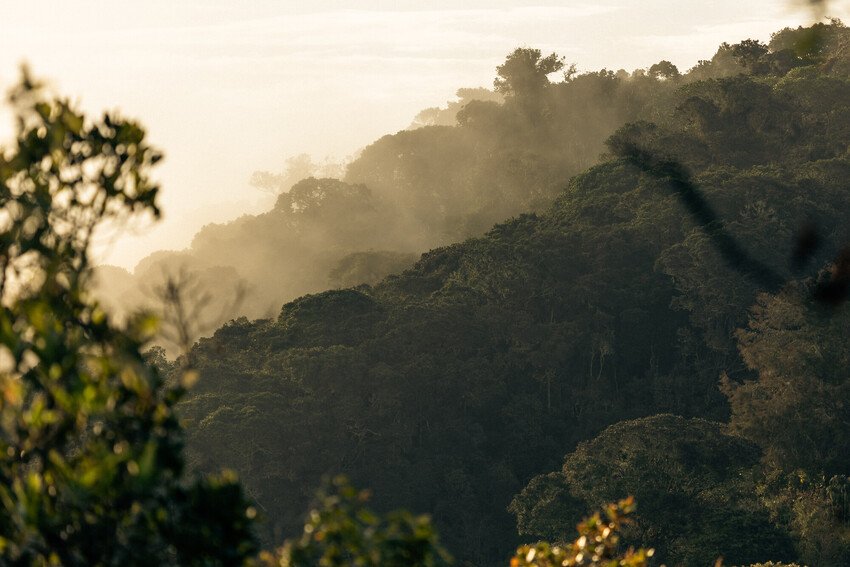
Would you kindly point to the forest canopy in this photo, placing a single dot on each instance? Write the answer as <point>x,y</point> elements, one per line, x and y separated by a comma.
<point>576,298</point>
<point>604,300</point>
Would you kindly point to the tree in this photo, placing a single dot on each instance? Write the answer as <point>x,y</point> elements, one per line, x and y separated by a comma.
<point>664,70</point>
<point>524,74</point>
<point>91,471</point>
<point>796,409</point>
<point>750,53</point>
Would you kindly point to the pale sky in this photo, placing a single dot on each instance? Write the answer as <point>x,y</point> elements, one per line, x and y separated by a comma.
<point>227,87</point>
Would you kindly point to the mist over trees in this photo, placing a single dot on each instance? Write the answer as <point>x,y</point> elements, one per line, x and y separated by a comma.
<point>486,157</point>
<point>599,322</point>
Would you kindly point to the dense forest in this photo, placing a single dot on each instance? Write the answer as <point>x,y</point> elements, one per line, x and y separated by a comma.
<point>661,315</point>
<point>602,322</point>
<point>451,176</point>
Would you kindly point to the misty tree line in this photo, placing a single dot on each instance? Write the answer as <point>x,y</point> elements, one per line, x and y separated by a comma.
<point>489,159</point>
<point>507,384</point>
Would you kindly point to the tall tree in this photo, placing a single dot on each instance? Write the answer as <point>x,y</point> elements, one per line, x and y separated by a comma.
<point>525,73</point>
<point>796,409</point>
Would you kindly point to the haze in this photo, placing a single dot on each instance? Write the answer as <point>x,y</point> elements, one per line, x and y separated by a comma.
<point>226,88</point>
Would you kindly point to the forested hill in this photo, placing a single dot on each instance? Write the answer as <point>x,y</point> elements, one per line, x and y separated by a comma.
<point>479,162</point>
<point>448,388</point>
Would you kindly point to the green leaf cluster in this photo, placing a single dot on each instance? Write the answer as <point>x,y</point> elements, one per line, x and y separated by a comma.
<point>597,544</point>
<point>342,531</point>
<point>91,471</point>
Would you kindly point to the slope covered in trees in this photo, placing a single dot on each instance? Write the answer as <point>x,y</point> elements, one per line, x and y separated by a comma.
<point>407,192</point>
<point>449,387</point>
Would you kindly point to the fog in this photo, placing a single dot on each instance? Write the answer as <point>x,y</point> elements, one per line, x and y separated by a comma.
<point>230,89</point>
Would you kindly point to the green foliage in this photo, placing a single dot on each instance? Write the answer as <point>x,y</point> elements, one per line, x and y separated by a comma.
<point>692,476</point>
<point>342,531</point>
<point>437,185</point>
<point>795,410</point>
<point>597,544</point>
<point>813,511</point>
<point>91,471</point>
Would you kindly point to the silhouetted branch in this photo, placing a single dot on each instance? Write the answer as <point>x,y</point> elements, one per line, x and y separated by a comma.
<point>829,291</point>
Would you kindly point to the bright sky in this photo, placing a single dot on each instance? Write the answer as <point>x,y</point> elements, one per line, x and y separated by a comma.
<point>227,87</point>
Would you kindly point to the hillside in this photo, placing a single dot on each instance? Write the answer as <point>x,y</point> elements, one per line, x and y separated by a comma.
<point>404,194</point>
<point>447,388</point>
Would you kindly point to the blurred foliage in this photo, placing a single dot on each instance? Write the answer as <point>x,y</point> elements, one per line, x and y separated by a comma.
<point>91,471</point>
<point>342,531</point>
<point>597,544</point>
